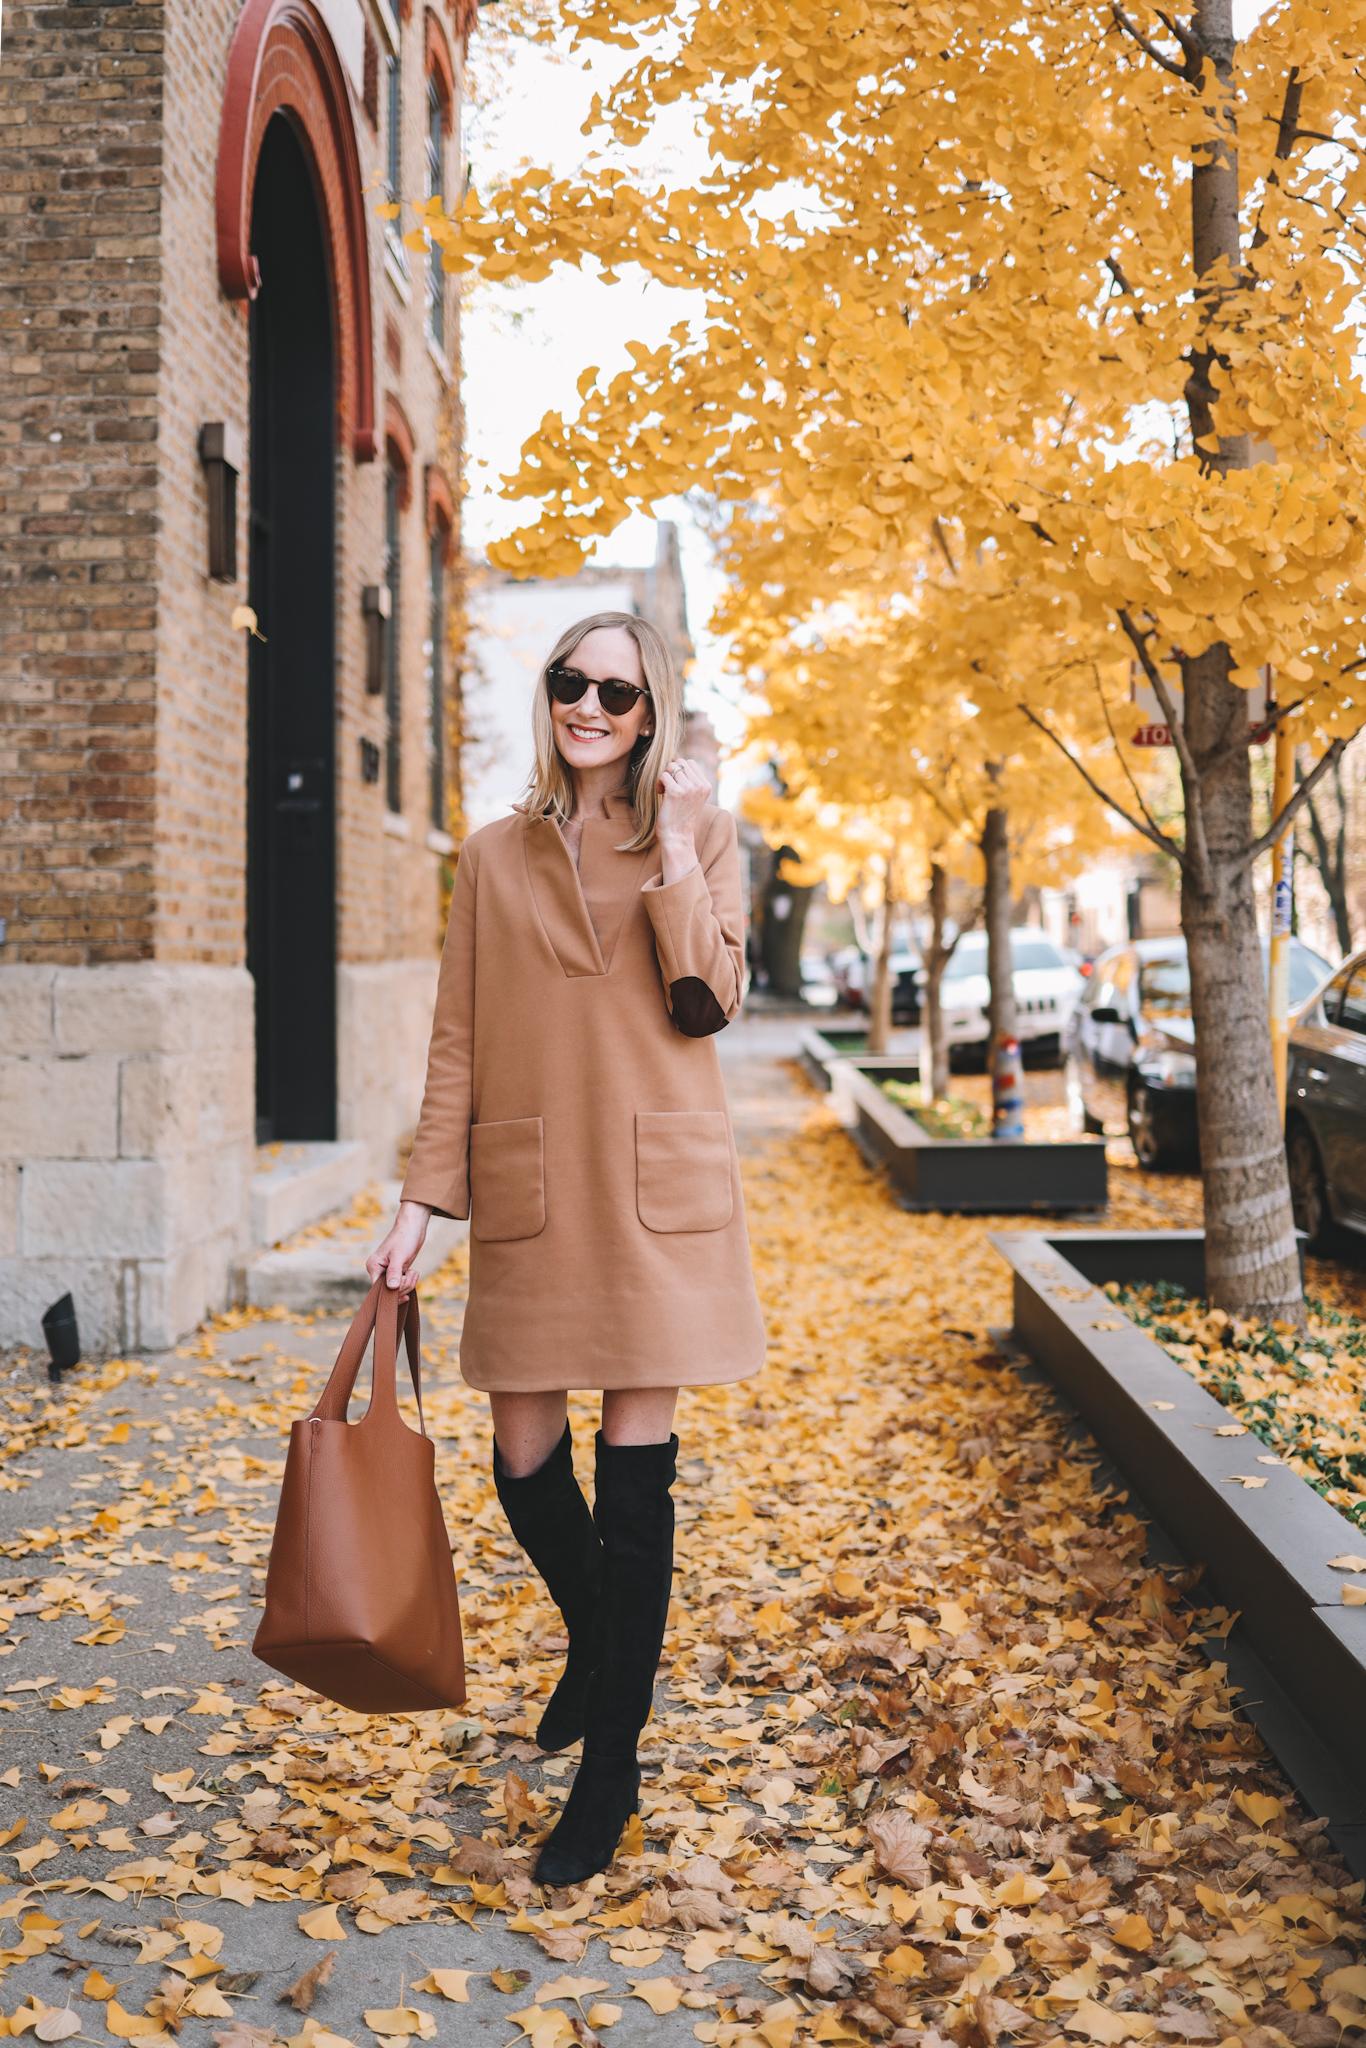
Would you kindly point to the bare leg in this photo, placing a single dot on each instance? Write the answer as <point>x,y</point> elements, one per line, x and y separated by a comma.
<point>527,1428</point>
<point>638,1415</point>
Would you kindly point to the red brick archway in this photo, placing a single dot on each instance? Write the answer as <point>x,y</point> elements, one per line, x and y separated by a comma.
<point>282,60</point>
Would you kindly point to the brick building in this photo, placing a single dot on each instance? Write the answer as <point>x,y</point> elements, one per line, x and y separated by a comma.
<point>226,382</point>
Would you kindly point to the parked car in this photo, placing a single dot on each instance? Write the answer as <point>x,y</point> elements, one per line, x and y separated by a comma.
<point>907,972</point>
<point>818,982</point>
<point>1130,1053</point>
<point>847,966</point>
<point>1325,1125</point>
<point>854,974</point>
<point>1047,990</point>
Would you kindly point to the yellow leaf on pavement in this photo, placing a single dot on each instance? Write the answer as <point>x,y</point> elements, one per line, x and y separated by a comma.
<point>447,1984</point>
<point>400,2021</point>
<point>322,1924</point>
<point>661,1994</point>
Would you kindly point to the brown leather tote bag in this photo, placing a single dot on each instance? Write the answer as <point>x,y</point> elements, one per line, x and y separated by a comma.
<point>361,1597</point>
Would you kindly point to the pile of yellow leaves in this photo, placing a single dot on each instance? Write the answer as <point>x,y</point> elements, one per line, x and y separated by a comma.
<point>1301,1392</point>
<point>937,1757</point>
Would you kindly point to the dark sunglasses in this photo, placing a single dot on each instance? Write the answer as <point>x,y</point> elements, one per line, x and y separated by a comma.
<point>567,685</point>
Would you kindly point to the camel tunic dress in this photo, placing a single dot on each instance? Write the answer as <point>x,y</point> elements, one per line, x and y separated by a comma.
<point>574,1109</point>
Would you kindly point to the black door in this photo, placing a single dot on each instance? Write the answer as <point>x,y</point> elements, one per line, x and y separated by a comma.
<point>291,853</point>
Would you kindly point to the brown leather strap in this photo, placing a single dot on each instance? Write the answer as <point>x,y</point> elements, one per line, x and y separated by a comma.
<point>412,1336</point>
<point>380,1312</point>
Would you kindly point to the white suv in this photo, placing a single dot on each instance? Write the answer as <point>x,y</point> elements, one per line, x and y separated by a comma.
<point>1047,991</point>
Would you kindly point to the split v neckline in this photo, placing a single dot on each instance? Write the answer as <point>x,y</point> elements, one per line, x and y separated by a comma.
<point>557,882</point>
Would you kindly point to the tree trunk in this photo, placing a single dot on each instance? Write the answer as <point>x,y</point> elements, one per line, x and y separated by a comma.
<point>1251,1266</point>
<point>780,929</point>
<point>880,996</point>
<point>995,845</point>
<point>934,1050</point>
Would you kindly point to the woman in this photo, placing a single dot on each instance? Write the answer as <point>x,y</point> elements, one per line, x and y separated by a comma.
<point>574,1110</point>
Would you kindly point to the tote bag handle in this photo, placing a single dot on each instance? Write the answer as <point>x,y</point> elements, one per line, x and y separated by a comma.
<point>383,1312</point>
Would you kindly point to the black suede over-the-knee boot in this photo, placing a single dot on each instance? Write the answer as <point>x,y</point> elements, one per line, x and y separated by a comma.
<point>634,1512</point>
<point>551,1520</point>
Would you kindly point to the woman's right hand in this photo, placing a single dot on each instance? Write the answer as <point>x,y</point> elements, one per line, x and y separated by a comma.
<point>396,1255</point>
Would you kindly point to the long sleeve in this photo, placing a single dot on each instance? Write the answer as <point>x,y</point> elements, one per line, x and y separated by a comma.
<point>438,1167</point>
<point>699,930</point>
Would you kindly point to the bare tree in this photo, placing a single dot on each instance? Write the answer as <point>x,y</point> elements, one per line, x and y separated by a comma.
<point>1329,840</point>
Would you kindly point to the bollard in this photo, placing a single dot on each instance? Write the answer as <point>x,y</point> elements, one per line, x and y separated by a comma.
<point>63,1338</point>
<point>1007,1089</point>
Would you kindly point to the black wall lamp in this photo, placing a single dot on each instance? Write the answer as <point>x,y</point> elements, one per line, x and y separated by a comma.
<point>376,603</point>
<point>221,454</point>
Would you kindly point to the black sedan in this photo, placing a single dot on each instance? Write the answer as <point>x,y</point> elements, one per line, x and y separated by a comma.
<point>1325,1121</point>
<point>1130,1048</point>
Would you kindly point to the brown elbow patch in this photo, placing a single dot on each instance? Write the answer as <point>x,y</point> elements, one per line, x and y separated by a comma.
<point>695,1009</point>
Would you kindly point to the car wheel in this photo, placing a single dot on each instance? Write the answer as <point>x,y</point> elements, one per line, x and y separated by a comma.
<point>1308,1194</point>
<point>1148,1147</point>
<point>1079,1116</point>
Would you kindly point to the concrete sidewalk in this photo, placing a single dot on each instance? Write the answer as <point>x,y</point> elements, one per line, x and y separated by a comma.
<point>146,1509</point>
<point>928,1732</point>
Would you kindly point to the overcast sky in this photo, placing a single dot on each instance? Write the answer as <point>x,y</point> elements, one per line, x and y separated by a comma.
<point>526,345</point>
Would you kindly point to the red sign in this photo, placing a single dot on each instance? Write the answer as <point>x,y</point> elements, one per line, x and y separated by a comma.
<point>1161,735</point>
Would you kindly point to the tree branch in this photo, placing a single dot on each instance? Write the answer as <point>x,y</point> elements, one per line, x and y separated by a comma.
<point>1128,771</point>
<point>1286,136</point>
<point>1112,265</point>
<point>1197,844</point>
<point>1145,831</point>
<point>937,529</point>
<point>1185,70</point>
<point>1317,135</point>
<point>1297,801</point>
<point>1187,38</point>
<point>1243,740</point>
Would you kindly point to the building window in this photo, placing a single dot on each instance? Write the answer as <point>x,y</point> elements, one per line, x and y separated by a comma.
<point>393,506</point>
<point>436,676</point>
<point>393,148</point>
<point>436,276</point>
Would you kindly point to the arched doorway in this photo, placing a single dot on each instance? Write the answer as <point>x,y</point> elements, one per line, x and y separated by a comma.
<point>291,809</point>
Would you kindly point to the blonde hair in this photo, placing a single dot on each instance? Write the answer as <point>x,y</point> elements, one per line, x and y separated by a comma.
<point>549,791</point>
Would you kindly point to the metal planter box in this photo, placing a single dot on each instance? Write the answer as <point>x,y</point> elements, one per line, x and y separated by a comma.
<point>1265,1551</point>
<point>983,1175</point>
<point>821,1050</point>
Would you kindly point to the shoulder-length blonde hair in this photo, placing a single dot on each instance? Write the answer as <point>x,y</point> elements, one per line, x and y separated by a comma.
<point>549,791</point>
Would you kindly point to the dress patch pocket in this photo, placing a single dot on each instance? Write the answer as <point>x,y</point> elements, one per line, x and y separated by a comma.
<point>683,1169</point>
<point>507,1178</point>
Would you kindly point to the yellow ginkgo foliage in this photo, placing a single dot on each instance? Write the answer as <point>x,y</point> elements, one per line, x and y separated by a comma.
<point>1074,286</point>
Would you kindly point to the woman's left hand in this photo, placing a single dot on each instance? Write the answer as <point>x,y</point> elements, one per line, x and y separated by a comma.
<point>684,790</point>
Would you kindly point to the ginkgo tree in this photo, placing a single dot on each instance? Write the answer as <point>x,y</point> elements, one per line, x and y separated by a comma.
<point>864,856</point>
<point>1080,282</point>
<point>903,761</point>
<point>904,679</point>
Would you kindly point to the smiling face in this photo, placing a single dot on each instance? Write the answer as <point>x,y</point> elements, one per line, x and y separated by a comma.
<point>587,735</point>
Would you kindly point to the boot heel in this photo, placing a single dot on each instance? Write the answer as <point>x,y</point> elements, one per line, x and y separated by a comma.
<point>603,1797</point>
